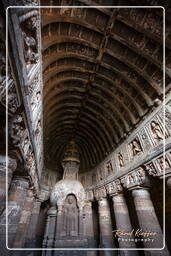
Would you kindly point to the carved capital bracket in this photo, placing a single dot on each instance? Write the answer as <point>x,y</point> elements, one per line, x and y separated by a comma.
<point>135,178</point>
<point>114,187</point>
<point>100,193</point>
<point>89,196</point>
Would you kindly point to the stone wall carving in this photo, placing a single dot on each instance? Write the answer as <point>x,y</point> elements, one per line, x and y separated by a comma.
<point>135,147</point>
<point>135,178</point>
<point>70,221</point>
<point>65,187</point>
<point>114,187</point>
<point>134,151</point>
<point>159,165</point>
<point>30,25</point>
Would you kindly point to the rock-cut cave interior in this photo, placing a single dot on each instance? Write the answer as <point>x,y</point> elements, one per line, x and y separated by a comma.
<point>85,116</point>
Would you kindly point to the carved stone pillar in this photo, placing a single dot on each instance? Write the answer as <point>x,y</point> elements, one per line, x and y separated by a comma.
<point>80,222</point>
<point>148,220</point>
<point>12,164</point>
<point>89,231</point>
<point>30,241</point>
<point>106,236</point>
<point>52,212</point>
<point>24,221</point>
<point>123,223</point>
<point>59,222</point>
<point>16,199</point>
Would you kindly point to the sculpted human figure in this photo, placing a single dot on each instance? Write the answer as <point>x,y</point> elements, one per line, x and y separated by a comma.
<point>71,217</point>
<point>121,161</point>
<point>156,131</point>
<point>136,148</point>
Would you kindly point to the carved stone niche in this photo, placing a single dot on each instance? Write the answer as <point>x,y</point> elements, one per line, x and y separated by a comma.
<point>157,131</point>
<point>65,187</point>
<point>68,197</point>
<point>70,217</point>
<point>109,168</point>
<point>135,147</point>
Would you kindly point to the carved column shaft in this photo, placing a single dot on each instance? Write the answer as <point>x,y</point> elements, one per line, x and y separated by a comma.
<point>148,220</point>
<point>16,200</point>
<point>89,228</point>
<point>30,240</point>
<point>24,221</point>
<point>81,222</point>
<point>106,236</point>
<point>52,214</point>
<point>89,231</point>
<point>123,223</point>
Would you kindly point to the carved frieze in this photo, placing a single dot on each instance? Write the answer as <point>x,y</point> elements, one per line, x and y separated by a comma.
<point>159,165</point>
<point>135,178</point>
<point>135,147</point>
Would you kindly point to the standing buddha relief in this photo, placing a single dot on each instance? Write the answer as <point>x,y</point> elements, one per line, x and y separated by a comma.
<point>70,217</point>
<point>156,132</point>
<point>135,147</point>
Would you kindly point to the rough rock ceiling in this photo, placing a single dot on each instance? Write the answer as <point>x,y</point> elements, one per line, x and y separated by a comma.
<point>102,72</point>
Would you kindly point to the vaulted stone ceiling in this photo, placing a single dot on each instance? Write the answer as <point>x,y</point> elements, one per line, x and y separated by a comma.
<point>102,73</point>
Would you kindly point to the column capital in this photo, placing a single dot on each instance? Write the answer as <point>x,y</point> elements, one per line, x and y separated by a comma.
<point>114,187</point>
<point>89,195</point>
<point>135,178</point>
<point>100,193</point>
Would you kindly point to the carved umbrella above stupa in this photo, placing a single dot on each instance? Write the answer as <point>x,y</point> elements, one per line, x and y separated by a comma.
<point>70,162</point>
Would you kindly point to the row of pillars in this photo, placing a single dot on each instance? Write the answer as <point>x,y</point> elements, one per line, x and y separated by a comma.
<point>147,221</point>
<point>23,209</point>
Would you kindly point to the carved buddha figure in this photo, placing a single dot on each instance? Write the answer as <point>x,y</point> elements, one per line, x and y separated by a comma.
<point>136,148</point>
<point>156,131</point>
<point>70,223</point>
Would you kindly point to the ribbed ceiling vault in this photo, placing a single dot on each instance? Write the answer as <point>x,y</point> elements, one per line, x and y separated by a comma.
<point>102,72</point>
